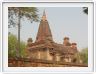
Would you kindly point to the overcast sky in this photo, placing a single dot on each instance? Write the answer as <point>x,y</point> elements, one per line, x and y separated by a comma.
<point>63,21</point>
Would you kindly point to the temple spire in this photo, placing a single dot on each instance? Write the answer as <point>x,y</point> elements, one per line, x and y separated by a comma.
<point>44,32</point>
<point>44,16</point>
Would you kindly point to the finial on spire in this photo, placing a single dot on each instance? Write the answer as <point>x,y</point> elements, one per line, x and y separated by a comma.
<point>44,16</point>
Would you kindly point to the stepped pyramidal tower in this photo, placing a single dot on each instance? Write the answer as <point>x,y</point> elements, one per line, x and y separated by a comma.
<point>44,31</point>
<point>45,48</point>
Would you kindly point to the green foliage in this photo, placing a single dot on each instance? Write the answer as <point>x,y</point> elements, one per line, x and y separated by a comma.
<point>12,46</point>
<point>84,55</point>
<point>22,49</point>
<point>12,42</point>
<point>85,10</point>
<point>16,13</point>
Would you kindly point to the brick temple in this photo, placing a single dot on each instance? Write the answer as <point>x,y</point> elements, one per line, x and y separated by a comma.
<point>46,48</point>
<point>45,52</point>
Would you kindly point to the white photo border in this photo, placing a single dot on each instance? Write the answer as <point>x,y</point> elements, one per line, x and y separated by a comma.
<point>90,67</point>
<point>94,36</point>
<point>0,38</point>
<point>48,0</point>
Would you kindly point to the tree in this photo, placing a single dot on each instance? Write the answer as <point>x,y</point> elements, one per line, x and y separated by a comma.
<point>22,49</point>
<point>84,55</point>
<point>12,45</point>
<point>16,14</point>
<point>85,10</point>
<point>12,42</point>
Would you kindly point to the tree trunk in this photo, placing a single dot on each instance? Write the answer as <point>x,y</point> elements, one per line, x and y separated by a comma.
<point>18,43</point>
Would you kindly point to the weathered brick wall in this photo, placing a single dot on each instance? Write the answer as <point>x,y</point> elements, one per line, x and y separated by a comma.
<point>25,62</point>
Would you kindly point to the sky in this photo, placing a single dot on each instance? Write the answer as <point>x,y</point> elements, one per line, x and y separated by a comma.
<point>63,21</point>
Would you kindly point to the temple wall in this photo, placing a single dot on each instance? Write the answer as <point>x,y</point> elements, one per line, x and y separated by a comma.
<point>39,55</point>
<point>33,55</point>
<point>49,57</point>
<point>23,62</point>
<point>45,55</point>
<point>67,59</point>
<point>57,57</point>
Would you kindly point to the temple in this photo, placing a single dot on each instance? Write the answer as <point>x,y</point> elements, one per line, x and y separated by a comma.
<point>46,48</point>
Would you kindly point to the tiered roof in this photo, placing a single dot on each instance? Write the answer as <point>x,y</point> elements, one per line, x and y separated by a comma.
<point>44,40</point>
